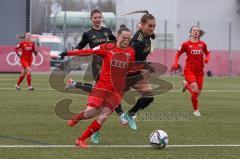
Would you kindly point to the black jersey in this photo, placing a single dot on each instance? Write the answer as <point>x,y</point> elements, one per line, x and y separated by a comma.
<point>141,45</point>
<point>95,37</point>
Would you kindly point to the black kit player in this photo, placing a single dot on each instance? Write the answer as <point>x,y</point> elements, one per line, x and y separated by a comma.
<point>95,36</point>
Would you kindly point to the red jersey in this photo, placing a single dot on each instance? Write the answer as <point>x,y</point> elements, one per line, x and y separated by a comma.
<point>27,48</point>
<point>116,64</point>
<point>194,52</point>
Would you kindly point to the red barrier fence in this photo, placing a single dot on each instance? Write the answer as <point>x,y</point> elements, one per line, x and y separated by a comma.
<point>9,61</point>
<point>219,64</point>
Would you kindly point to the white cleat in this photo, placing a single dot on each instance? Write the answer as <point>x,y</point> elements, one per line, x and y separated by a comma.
<point>30,88</point>
<point>134,117</point>
<point>197,113</point>
<point>184,86</point>
<point>123,120</point>
<point>17,87</point>
<point>70,84</point>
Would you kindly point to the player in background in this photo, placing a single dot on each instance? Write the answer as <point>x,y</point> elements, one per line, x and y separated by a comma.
<point>195,50</point>
<point>27,48</point>
<point>94,36</point>
<point>141,43</point>
<point>109,89</point>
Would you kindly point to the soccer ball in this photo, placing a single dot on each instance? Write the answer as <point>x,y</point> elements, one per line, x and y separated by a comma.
<point>158,139</point>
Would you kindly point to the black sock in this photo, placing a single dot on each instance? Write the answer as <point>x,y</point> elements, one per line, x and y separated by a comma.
<point>134,109</point>
<point>142,103</point>
<point>119,109</point>
<point>84,86</point>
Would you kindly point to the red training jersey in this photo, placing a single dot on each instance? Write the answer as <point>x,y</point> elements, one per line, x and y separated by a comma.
<point>194,52</point>
<point>27,48</point>
<point>117,63</point>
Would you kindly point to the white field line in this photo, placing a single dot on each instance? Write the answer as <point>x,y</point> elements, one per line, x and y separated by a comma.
<point>113,146</point>
<point>174,90</point>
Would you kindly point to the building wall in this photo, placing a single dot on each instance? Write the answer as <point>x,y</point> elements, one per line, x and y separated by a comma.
<point>155,7</point>
<point>13,20</point>
<point>214,17</point>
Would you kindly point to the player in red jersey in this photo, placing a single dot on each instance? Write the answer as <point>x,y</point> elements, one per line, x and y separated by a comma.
<point>195,50</point>
<point>27,48</point>
<point>108,91</point>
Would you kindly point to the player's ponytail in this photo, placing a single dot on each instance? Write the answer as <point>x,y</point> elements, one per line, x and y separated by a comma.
<point>20,37</point>
<point>145,17</point>
<point>201,33</point>
<point>139,11</point>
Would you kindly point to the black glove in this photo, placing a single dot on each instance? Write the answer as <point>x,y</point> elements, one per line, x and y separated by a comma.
<point>63,54</point>
<point>19,55</point>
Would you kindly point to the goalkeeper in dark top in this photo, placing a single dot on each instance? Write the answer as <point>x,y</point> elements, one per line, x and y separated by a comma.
<point>95,36</point>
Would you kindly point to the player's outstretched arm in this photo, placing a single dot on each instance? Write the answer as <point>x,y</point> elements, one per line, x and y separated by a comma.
<point>76,53</point>
<point>99,50</point>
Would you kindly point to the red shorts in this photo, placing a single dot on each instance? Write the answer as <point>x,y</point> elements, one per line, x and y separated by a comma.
<point>194,76</point>
<point>26,63</point>
<point>100,97</point>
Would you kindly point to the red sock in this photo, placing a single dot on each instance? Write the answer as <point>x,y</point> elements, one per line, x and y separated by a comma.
<point>91,129</point>
<point>20,79</point>
<point>29,79</point>
<point>195,100</point>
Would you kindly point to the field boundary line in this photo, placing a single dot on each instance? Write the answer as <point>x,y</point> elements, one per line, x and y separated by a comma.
<point>114,146</point>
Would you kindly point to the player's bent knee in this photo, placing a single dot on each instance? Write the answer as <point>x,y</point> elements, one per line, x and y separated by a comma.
<point>194,87</point>
<point>102,118</point>
<point>28,70</point>
<point>23,73</point>
<point>90,112</point>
